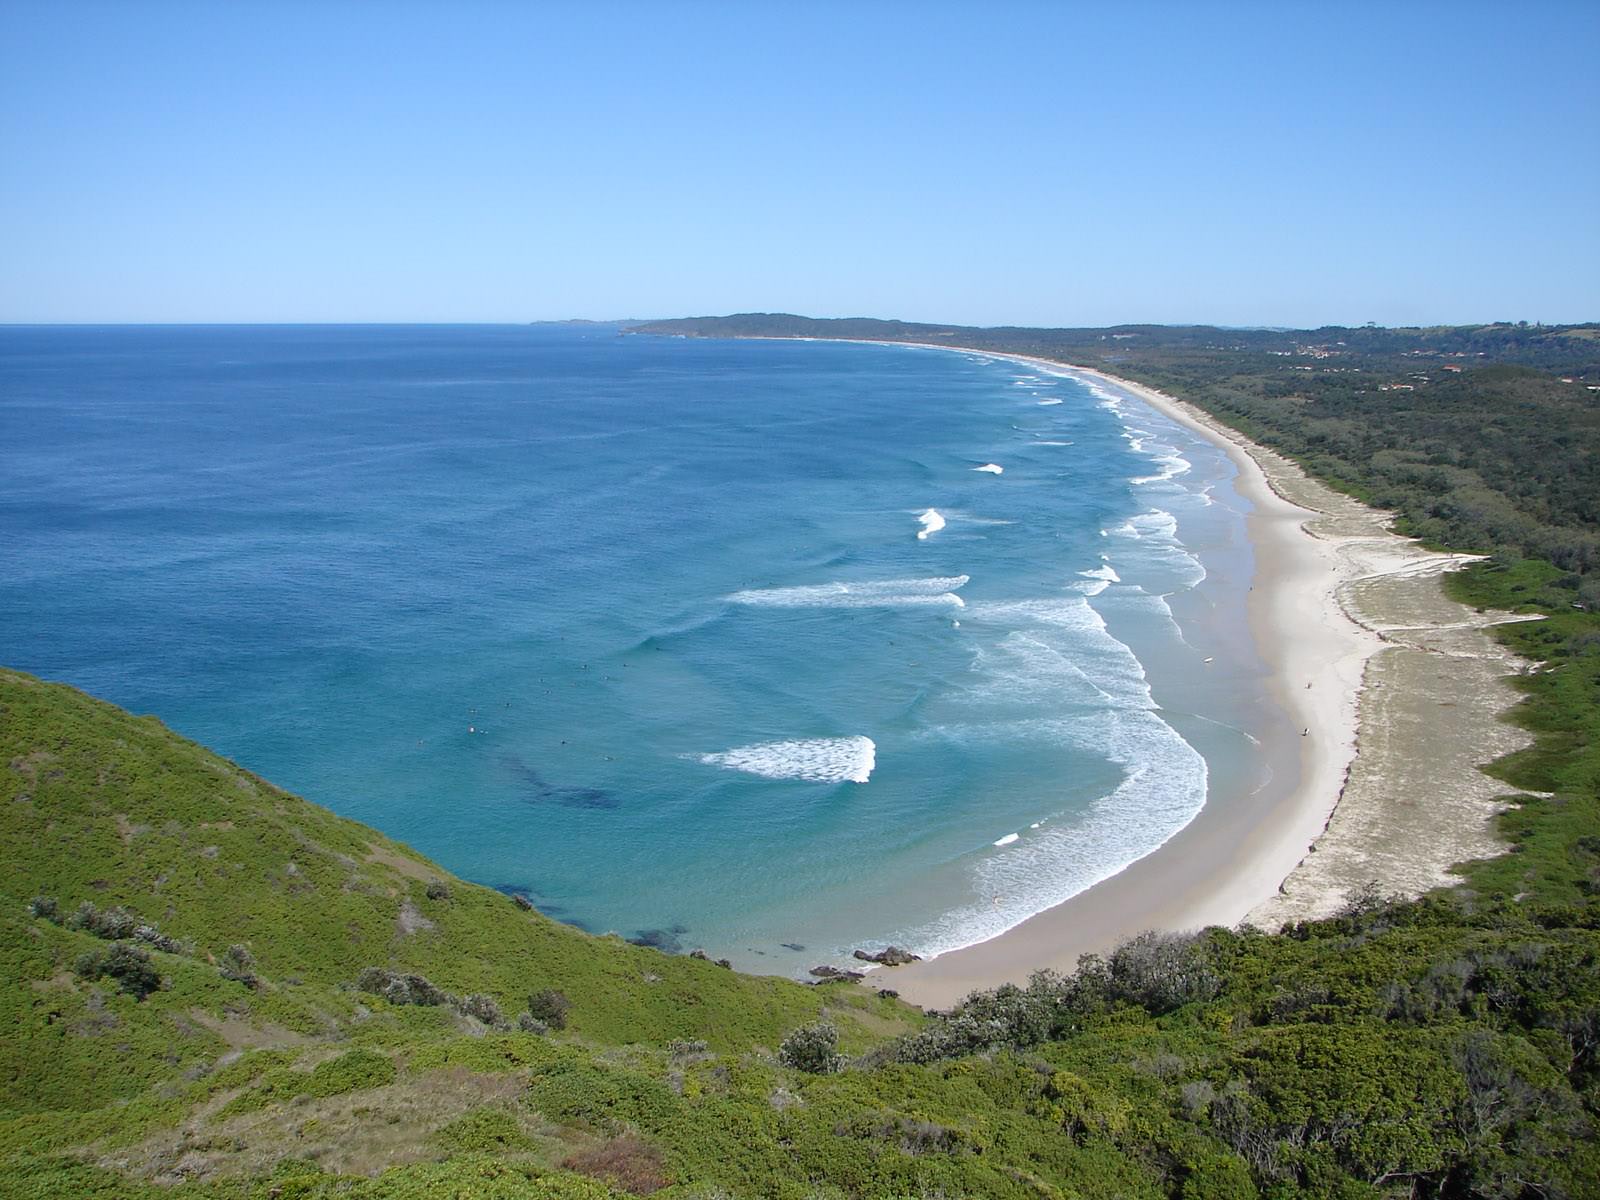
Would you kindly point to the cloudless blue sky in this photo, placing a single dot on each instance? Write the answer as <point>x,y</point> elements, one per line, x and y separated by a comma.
<point>1047,164</point>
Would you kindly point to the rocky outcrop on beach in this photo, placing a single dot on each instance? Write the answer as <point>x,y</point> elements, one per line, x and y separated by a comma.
<point>889,956</point>
<point>830,972</point>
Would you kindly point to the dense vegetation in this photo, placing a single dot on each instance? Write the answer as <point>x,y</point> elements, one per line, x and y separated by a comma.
<point>211,988</point>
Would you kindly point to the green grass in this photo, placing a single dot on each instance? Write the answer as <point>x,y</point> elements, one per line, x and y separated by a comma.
<point>1554,836</point>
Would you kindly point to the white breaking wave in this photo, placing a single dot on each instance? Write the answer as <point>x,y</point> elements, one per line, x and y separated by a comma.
<point>1156,533</point>
<point>1097,580</point>
<point>816,760</point>
<point>1007,840</point>
<point>1156,523</point>
<point>1163,788</point>
<point>1047,403</point>
<point>931,521</point>
<point>881,593</point>
<point>1043,443</point>
<point>1172,465</point>
<point>991,468</point>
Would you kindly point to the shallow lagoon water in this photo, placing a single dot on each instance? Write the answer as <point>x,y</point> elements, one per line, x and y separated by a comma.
<point>743,645</point>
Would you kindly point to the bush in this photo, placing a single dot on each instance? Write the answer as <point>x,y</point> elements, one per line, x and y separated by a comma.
<point>45,908</point>
<point>812,1048</point>
<point>151,935</point>
<point>1007,1016</point>
<point>238,964</point>
<point>549,1006</point>
<point>355,1071</point>
<point>528,1023</point>
<point>438,889</point>
<point>128,965</point>
<point>485,1131</point>
<point>1159,972</point>
<point>483,1007</point>
<point>398,988</point>
<point>113,924</point>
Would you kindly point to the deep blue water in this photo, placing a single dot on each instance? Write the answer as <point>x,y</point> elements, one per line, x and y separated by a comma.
<point>622,622</point>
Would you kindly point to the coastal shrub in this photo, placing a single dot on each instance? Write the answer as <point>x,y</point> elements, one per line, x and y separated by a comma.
<point>550,1006</point>
<point>528,1023</point>
<point>130,966</point>
<point>485,1131</point>
<point>112,924</point>
<point>152,936</point>
<point>355,1071</point>
<point>914,1136</point>
<point>812,1048</point>
<point>1007,1016</point>
<point>483,1007</point>
<point>1159,972</point>
<point>611,1101</point>
<point>238,964</point>
<point>438,889</point>
<point>45,908</point>
<point>399,988</point>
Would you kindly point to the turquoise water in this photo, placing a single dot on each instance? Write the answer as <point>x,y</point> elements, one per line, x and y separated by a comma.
<point>711,643</point>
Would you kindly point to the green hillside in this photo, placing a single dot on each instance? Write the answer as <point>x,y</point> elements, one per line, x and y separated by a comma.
<point>103,809</point>
<point>1439,1048</point>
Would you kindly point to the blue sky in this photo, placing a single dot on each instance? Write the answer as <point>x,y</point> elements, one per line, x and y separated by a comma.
<point>1046,164</point>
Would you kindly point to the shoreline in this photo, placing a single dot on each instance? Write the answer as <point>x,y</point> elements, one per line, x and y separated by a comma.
<point>1350,624</point>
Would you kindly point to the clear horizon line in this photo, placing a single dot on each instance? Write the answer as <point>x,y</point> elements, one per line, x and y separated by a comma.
<point>507,323</point>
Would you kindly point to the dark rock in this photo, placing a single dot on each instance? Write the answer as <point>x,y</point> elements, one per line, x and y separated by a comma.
<point>890,956</point>
<point>825,971</point>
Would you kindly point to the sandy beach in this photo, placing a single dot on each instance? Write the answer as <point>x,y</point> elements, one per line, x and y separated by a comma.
<point>1398,691</point>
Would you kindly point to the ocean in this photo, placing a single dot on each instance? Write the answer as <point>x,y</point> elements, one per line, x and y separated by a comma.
<point>771,648</point>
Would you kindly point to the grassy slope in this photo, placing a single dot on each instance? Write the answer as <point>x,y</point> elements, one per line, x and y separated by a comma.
<point>1435,1049</point>
<point>101,806</point>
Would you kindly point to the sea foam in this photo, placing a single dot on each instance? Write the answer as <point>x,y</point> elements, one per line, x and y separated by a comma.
<point>932,521</point>
<point>991,468</point>
<point>939,590</point>
<point>815,760</point>
<point>1097,580</point>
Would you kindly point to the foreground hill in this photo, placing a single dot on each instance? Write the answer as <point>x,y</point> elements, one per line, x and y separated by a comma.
<point>190,1008</point>
<point>259,913</point>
